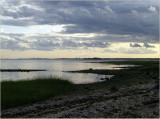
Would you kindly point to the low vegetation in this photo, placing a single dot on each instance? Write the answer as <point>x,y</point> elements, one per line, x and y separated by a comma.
<point>145,72</point>
<point>18,93</point>
<point>142,65</point>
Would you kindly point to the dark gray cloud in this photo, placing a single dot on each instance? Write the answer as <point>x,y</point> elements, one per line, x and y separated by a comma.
<point>135,45</point>
<point>20,41</point>
<point>20,12</point>
<point>122,18</point>
<point>46,43</point>
<point>110,21</point>
<point>96,44</point>
<point>12,44</point>
<point>148,46</point>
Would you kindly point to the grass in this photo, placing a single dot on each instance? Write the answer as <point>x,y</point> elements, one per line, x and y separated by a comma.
<point>136,62</point>
<point>145,72</point>
<point>144,65</point>
<point>18,93</point>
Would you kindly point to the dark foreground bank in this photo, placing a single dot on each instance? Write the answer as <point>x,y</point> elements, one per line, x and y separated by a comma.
<point>18,93</point>
<point>131,93</point>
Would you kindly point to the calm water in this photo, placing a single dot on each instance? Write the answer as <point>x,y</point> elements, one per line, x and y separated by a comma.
<point>55,68</point>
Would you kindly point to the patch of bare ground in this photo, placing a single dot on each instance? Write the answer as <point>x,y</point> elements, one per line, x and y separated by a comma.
<point>134,102</point>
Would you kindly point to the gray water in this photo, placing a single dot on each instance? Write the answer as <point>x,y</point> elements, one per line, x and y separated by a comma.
<point>55,68</point>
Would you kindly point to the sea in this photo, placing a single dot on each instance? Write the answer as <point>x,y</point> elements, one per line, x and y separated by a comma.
<point>58,68</point>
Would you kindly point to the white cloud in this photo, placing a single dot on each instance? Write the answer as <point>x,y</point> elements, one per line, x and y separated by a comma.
<point>131,51</point>
<point>152,9</point>
<point>1,30</point>
<point>108,9</point>
<point>24,45</point>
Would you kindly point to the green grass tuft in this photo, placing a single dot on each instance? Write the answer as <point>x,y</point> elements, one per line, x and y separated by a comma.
<point>18,93</point>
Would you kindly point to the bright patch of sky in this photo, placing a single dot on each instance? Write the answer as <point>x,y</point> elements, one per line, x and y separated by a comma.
<point>32,29</point>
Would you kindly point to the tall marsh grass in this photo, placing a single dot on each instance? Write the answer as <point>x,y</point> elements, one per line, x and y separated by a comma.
<point>18,93</point>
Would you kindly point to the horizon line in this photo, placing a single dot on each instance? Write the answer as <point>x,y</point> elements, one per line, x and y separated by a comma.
<point>78,58</point>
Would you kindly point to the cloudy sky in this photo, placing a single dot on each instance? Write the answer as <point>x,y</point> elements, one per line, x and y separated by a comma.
<point>69,29</point>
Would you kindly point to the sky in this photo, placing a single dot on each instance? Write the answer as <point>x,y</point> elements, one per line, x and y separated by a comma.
<point>83,29</point>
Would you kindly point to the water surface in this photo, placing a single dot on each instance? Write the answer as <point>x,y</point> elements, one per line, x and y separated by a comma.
<point>55,68</point>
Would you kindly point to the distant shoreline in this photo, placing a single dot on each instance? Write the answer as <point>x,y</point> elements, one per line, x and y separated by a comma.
<point>21,70</point>
<point>81,59</point>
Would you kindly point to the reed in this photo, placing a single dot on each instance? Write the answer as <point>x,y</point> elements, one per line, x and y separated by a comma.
<point>21,92</point>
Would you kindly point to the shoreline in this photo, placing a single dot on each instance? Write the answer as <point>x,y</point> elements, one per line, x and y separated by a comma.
<point>131,93</point>
<point>134,102</point>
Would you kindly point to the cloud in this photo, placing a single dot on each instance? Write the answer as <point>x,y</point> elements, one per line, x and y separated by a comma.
<point>148,46</point>
<point>135,45</point>
<point>46,42</point>
<point>85,24</point>
<point>22,11</point>
<point>13,44</point>
<point>131,51</point>
<point>1,29</point>
<point>45,45</point>
<point>96,44</point>
<point>152,9</point>
<point>98,17</point>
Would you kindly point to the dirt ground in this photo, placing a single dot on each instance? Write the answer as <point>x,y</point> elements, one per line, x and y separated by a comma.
<point>140,101</point>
